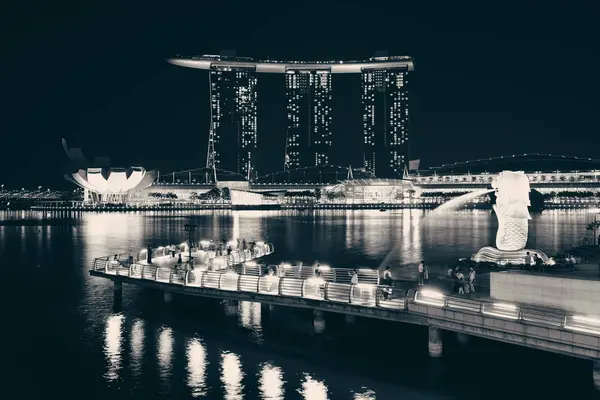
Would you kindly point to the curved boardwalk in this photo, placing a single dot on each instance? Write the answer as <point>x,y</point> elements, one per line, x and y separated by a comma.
<point>550,330</point>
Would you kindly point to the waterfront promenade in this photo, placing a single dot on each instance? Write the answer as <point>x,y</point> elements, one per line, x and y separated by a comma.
<point>535,327</point>
<point>165,258</point>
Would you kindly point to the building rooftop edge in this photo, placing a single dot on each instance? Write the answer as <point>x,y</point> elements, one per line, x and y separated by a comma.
<point>274,66</point>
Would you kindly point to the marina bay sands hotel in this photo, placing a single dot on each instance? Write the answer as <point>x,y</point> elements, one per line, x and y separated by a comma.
<point>309,142</point>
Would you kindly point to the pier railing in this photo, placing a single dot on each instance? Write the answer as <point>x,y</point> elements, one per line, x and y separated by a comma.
<point>329,274</point>
<point>362,294</point>
<point>237,254</point>
<point>124,260</point>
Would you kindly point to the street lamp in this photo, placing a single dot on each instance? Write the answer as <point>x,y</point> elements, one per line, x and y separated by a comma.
<point>190,229</point>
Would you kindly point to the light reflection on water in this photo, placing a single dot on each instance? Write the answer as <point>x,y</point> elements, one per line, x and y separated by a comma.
<point>250,317</point>
<point>271,383</point>
<point>165,354</point>
<point>112,346</point>
<point>196,368</point>
<point>135,350</point>
<point>313,389</point>
<point>367,395</point>
<point>137,347</point>
<point>231,376</point>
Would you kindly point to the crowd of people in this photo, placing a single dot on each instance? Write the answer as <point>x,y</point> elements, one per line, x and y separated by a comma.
<point>220,248</point>
<point>460,284</point>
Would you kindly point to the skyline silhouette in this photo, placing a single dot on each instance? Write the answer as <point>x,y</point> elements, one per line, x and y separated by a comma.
<point>487,82</point>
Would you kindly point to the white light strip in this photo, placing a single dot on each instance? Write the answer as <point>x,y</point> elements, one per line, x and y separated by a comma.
<point>429,297</point>
<point>541,321</point>
<point>501,315</point>
<point>463,307</point>
<point>504,306</point>
<point>431,293</point>
<point>586,320</point>
<point>584,330</point>
<point>430,302</point>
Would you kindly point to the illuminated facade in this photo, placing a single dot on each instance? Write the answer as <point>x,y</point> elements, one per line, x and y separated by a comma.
<point>385,120</point>
<point>102,183</point>
<point>234,119</point>
<point>308,90</point>
<point>308,95</point>
<point>111,185</point>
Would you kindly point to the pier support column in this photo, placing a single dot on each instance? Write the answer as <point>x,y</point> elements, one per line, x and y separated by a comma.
<point>462,338</point>
<point>118,291</point>
<point>435,342</point>
<point>231,307</point>
<point>318,321</point>
<point>596,373</point>
<point>265,311</point>
<point>118,294</point>
<point>168,297</point>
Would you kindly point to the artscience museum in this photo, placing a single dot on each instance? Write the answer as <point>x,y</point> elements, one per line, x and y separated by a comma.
<point>101,182</point>
<point>114,185</point>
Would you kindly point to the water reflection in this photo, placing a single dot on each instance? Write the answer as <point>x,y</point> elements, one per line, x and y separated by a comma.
<point>24,249</point>
<point>165,353</point>
<point>137,347</point>
<point>250,317</point>
<point>313,389</point>
<point>196,368</point>
<point>416,253</point>
<point>367,395</point>
<point>231,376</point>
<point>319,322</point>
<point>270,383</point>
<point>112,346</point>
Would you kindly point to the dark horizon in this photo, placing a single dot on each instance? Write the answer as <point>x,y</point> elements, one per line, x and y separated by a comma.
<point>97,76</point>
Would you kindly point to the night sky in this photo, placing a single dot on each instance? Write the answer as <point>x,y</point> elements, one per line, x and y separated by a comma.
<point>491,78</point>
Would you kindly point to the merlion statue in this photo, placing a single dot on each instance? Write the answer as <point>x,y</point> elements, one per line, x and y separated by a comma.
<point>512,200</point>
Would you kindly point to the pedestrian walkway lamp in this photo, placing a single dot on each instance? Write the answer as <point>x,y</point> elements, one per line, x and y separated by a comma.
<point>190,229</point>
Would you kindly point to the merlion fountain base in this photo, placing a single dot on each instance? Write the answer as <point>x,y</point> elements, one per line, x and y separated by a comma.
<point>501,257</point>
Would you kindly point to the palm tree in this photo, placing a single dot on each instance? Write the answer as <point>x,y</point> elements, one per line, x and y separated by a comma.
<point>411,194</point>
<point>593,226</point>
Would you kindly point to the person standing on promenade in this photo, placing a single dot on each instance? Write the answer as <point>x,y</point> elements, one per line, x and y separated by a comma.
<point>425,274</point>
<point>528,260</point>
<point>421,272</point>
<point>316,266</point>
<point>353,277</point>
<point>387,277</point>
<point>460,281</point>
<point>472,279</point>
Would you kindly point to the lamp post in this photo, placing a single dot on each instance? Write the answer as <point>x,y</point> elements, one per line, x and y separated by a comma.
<point>190,229</point>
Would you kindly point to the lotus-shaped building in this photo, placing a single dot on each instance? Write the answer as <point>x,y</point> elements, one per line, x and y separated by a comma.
<point>102,183</point>
<point>111,184</point>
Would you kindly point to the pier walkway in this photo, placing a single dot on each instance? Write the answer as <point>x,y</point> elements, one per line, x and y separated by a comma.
<point>550,330</point>
<point>166,258</point>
